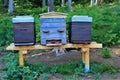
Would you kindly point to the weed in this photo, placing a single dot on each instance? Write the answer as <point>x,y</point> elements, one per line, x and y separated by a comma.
<point>53,69</point>
<point>67,68</point>
<point>80,70</point>
<point>97,76</point>
<point>44,76</point>
<point>6,31</point>
<point>103,68</point>
<point>106,52</point>
<point>74,77</point>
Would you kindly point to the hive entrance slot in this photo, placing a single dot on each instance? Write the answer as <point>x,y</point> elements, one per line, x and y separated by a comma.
<point>53,42</point>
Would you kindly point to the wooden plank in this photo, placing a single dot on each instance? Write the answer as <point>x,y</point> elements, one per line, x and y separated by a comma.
<point>52,20</point>
<point>53,15</point>
<point>69,45</point>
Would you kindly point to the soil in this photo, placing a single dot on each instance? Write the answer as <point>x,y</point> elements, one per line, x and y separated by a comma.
<point>48,57</point>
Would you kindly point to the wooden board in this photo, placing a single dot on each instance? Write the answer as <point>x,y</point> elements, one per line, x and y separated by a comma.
<point>69,45</point>
<point>53,15</point>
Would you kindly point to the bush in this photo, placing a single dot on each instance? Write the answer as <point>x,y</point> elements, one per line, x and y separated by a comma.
<point>28,72</point>
<point>6,30</point>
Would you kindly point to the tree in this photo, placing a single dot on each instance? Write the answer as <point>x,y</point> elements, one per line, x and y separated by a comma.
<point>69,5</point>
<point>43,3</point>
<point>50,5</point>
<point>96,2</point>
<point>92,3</point>
<point>5,2</point>
<point>10,6</point>
<point>63,2</point>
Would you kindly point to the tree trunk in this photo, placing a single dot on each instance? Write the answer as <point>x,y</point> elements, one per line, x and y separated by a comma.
<point>5,2</point>
<point>58,1</point>
<point>50,5</point>
<point>10,6</point>
<point>43,3</point>
<point>92,3</point>
<point>96,2</point>
<point>69,5</point>
<point>63,2</point>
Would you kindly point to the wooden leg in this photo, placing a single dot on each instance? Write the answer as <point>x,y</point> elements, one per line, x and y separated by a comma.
<point>21,57</point>
<point>87,62</point>
<point>83,55</point>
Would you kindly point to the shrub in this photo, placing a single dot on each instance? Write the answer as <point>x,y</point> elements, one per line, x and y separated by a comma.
<point>6,30</point>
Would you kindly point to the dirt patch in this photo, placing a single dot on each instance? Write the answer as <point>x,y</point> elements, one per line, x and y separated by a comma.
<point>88,76</point>
<point>49,58</point>
<point>96,56</point>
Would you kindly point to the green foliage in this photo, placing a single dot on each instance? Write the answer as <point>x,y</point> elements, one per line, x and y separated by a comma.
<point>67,68</point>
<point>106,52</point>
<point>103,68</point>
<point>44,76</point>
<point>80,70</point>
<point>32,71</point>
<point>28,72</point>
<point>6,30</point>
<point>21,73</point>
<point>97,76</point>
<point>74,77</point>
<point>37,28</point>
<point>53,69</point>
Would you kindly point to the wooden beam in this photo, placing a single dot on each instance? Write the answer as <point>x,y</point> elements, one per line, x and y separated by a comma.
<point>21,58</point>
<point>69,45</point>
<point>86,53</point>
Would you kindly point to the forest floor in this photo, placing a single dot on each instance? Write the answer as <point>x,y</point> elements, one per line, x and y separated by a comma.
<point>48,57</point>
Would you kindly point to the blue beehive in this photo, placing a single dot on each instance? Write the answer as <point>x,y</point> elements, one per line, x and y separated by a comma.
<point>53,28</point>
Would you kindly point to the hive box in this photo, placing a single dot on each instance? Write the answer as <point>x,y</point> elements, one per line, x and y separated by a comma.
<point>81,29</point>
<point>53,28</point>
<point>24,30</point>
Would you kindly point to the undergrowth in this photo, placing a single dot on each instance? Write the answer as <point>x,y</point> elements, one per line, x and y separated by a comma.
<point>32,71</point>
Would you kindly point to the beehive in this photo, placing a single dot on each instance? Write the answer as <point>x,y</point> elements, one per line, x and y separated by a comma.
<point>24,32</point>
<point>81,29</point>
<point>53,28</point>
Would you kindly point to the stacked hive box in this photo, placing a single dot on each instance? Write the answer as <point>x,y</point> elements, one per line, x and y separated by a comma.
<point>53,28</point>
<point>24,32</point>
<point>81,29</point>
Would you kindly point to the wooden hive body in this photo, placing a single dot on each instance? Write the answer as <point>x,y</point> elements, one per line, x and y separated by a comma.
<point>53,28</point>
<point>80,29</point>
<point>24,32</point>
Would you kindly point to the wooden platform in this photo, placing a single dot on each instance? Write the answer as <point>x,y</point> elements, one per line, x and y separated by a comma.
<point>84,49</point>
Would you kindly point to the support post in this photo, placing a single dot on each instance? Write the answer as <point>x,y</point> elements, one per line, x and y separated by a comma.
<point>83,55</point>
<point>85,51</point>
<point>21,57</point>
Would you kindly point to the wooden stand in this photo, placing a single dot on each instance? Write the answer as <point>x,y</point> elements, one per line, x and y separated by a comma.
<point>84,49</point>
